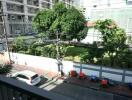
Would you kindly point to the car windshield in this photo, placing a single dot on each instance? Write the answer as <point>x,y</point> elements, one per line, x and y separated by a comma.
<point>35,76</point>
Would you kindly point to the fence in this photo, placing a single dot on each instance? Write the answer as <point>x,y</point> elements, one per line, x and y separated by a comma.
<point>101,71</point>
<point>50,64</point>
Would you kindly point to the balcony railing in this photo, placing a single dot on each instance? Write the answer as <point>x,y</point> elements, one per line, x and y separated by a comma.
<point>33,2</point>
<point>32,10</point>
<point>15,8</point>
<point>19,1</point>
<point>11,89</point>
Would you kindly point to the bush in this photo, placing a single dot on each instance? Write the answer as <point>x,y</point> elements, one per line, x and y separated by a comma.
<point>69,58</point>
<point>5,69</point>
<point>23,52</point>
<point>75,51</point>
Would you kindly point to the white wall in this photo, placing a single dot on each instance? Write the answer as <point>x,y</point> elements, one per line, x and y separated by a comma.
<point>48,64</point>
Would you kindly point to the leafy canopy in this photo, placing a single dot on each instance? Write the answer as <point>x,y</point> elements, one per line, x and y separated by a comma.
<point>69,22</point>
<point>18,44</point>
<point>113,37</point>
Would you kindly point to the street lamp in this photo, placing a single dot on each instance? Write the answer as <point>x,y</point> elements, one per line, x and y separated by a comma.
<point>5,32</point>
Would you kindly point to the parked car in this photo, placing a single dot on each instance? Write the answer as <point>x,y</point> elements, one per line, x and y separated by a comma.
<point>27,76</point>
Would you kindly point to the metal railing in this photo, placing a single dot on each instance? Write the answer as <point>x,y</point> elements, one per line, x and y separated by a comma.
<point>11,89</point>
<point>100,70</point>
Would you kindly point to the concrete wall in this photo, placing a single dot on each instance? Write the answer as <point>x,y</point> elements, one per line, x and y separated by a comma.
<point>50,64</point>
<point>4,58</point>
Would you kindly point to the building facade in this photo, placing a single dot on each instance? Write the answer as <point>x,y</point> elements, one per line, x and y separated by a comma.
<point>118,10</point>
<point>19,14</point>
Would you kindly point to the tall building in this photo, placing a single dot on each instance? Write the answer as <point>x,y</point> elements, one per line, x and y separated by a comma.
<point>19,14</point>
<point>118,10</point>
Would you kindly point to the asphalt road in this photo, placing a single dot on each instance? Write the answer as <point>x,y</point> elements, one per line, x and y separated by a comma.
<point>76,92</point>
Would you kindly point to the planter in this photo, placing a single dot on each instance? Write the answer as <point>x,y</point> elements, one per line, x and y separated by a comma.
<point>72,73</point>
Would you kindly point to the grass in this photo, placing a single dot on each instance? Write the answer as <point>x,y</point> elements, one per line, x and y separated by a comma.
<point>74,53</point>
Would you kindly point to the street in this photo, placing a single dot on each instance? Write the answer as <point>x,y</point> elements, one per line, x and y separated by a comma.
<point>74,91</point>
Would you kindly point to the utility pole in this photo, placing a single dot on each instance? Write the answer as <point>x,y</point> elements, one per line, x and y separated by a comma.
<point>57,44</point>
<point>59,60</point>
<point>57,50</point>
<point>5,33</point>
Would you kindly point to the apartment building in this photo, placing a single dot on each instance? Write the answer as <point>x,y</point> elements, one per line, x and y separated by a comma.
<point>118,10</point>
<point>19,14</point>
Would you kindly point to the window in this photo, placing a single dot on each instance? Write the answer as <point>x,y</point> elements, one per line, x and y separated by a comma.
<point>22,76</point>
<point>19,17</point>
<point>129,2</point>
<point>14,7</point>
<point>46,5</point>
<point>30,18</point>
<point>20,1</point>
<point>33,2</point>
<point>35,76</point>
<point>1,19</point>
<point>129,25</point>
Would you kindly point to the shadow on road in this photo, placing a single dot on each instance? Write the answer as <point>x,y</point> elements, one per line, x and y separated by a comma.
<point>83,93</point>
<point>43,81</point>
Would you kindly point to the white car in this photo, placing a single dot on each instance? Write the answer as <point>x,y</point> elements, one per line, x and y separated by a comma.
<point>27,76</point>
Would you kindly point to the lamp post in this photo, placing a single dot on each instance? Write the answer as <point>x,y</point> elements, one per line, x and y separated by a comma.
<point>5,33</point>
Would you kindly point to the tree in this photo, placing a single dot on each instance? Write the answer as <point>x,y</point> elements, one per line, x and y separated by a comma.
<point>19,44</point>
<point>125,58</point>
<point>93,53</point>
<point>69,22</point>
<point>113,37</point>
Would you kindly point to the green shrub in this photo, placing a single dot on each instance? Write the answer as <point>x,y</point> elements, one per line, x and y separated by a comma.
<point>106,61</point>
<point>75,51</point>
<point>49,51</point>
<point>70,58</point>
<point>5,69</point>
<point>23,52</point>
<point>77,59</point>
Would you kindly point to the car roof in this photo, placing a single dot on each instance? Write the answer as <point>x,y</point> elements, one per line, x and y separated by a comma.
<point>27,73</point>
